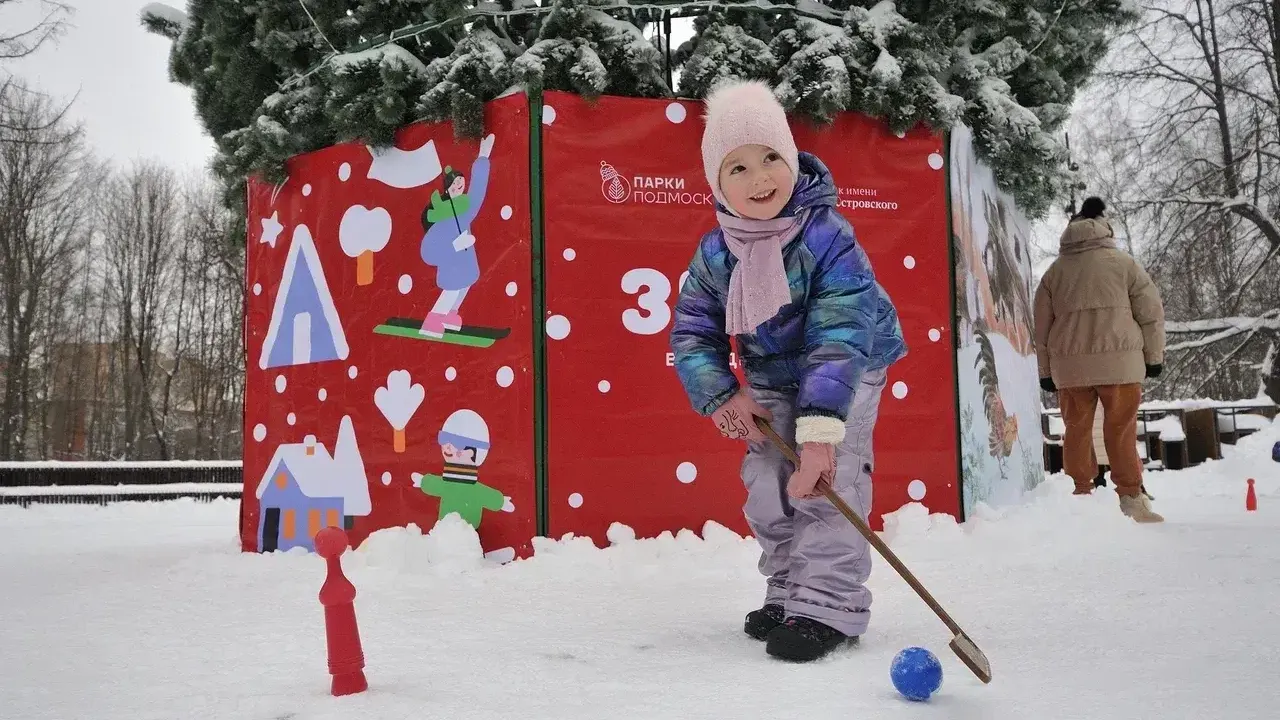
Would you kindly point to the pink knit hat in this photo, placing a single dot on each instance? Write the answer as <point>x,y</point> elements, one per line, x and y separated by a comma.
<point>741,113</point>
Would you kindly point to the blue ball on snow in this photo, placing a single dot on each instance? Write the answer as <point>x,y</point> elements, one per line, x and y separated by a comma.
<point>916,673</point>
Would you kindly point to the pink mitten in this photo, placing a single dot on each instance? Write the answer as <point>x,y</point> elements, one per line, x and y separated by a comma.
<point>816,472</point>
<point>735,418</point>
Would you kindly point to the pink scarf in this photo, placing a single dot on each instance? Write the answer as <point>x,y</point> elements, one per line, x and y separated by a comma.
<point>758,287</point>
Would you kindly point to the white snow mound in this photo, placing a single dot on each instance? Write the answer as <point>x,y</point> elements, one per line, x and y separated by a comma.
<point>451,547</point>
<point>1074,604</point>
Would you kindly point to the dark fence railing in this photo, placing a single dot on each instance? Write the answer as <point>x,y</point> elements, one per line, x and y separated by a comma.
<point>1173,436</point>
<point>25,483</point>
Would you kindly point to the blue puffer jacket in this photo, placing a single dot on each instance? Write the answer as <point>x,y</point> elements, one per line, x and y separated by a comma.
<point>840,322</point>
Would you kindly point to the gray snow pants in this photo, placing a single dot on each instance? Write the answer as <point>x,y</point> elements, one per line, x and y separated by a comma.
<point>815,562</point>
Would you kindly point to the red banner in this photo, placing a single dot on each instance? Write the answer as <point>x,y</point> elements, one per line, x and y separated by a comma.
<point>388,319</point>
<point>893,190</point>
<point>624,210</point>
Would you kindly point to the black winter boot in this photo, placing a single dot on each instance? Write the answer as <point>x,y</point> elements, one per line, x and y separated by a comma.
<point>803,639</point>
<point>760,622</point>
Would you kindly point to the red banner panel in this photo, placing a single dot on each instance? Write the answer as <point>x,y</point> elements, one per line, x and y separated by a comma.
<point>893,190</point>
<point>624,212</point>
<point>388,320</point>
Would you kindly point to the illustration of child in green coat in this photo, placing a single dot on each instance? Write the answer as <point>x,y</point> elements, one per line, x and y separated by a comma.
<point>464,444</point>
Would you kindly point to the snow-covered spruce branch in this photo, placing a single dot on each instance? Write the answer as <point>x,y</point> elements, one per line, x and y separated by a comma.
<point>1047,33</point>
<point>164,20</point>
<point>493,10</point>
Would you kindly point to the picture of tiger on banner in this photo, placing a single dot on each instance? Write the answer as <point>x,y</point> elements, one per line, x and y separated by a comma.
<point>1001,442</point>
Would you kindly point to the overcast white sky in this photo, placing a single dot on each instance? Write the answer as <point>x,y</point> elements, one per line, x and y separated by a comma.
<point>129,107</point>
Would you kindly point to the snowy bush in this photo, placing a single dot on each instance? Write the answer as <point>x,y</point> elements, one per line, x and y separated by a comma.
<point>273,78</point>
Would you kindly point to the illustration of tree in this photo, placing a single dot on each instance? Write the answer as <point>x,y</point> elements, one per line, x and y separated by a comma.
<point>362,233</point>
<point>398,401</point>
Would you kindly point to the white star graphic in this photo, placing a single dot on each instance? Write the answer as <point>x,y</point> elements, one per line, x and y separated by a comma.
<point>271,229</point>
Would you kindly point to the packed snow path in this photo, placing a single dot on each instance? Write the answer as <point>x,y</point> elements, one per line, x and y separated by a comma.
<point>135,612</point>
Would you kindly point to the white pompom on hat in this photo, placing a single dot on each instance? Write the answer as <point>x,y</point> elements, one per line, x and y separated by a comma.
<point>744,112</point>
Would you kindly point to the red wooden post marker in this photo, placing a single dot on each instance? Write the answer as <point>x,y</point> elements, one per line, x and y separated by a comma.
<point>1250,498</point>
<point>337,595</point>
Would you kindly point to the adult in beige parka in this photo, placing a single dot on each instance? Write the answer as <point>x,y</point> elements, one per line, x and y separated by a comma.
<point>1099,325</point>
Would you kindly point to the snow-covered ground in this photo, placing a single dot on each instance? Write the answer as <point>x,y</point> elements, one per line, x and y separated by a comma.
<point>142,611</point>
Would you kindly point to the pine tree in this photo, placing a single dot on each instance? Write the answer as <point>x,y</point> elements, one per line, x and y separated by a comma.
<point>374,18</point>
<point>262,93</point>
<point>273,78</point>
<point>235,54</point>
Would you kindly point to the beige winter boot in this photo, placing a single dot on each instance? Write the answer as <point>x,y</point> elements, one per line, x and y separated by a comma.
<point>1138,507</point>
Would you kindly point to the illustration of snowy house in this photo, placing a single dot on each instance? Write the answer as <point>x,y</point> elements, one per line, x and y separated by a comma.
<point>304,321</point>
<point>305,489</point>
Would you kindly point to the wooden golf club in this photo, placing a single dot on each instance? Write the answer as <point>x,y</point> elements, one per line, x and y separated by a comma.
<point>961,644</point>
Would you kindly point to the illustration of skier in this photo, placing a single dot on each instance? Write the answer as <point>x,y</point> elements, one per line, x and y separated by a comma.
<point>448,244</point>
<point>464,444</point>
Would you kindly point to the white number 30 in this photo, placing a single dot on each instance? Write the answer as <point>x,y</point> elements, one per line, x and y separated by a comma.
<point>653,300</point>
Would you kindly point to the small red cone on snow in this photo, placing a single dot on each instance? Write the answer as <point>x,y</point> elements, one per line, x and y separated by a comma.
<point>1250,498</point>
<point>337,595</point>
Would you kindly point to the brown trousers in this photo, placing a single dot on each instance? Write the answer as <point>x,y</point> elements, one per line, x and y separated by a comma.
<point>1119,431</point>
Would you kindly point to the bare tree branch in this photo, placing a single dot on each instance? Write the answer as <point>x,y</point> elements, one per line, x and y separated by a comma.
<point>26,42</point>
<point>46,180</point>
<point>1190,164</point>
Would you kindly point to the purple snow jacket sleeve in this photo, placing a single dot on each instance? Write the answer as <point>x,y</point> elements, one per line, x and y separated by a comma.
<point>700,344</point>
